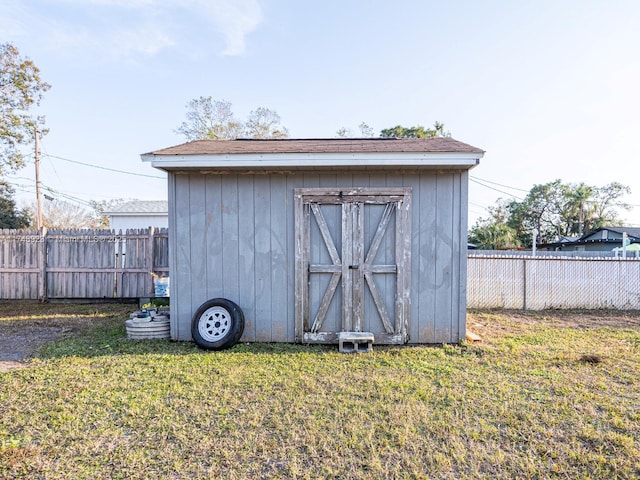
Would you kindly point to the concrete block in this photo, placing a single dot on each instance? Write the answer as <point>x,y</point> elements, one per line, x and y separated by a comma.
<point>355,342</point>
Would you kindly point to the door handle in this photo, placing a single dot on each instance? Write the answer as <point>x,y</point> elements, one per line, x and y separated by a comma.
<point>354,267</point>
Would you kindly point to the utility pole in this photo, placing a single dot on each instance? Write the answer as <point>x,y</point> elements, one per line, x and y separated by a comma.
<point>38,192</point>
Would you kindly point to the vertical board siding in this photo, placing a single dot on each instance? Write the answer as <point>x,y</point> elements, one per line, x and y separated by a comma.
<point>199,225</point>
<point>463,199</point>
<point>246,254</point>
<point>229,270</point>
<point>290,258</point>
<point>425,248</point>
<point>456,231</point>
<point>181,276</point>
<point>280,205</point>
<point>234,238</point>
<point>175,318</point>
<point>263,266</point>
<point>211,257</point>
<point>444,258</point>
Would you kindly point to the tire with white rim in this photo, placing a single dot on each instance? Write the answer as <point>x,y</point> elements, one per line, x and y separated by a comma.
<point>217,324</point>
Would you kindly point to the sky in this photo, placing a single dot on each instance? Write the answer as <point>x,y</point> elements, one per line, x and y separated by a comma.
<point>549,89</point>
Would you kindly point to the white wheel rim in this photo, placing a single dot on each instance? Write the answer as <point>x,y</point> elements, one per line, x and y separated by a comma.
<point>214,324</point>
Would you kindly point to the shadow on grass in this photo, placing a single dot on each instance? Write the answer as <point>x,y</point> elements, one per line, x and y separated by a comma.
<point>110,338</point>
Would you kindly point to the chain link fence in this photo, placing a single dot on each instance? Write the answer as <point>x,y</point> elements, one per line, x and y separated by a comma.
<point>548,282</point>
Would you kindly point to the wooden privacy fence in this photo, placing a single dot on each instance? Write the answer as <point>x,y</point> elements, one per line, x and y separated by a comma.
<point>537,283</point>
<point>95,264</point>
<point>81,263</point>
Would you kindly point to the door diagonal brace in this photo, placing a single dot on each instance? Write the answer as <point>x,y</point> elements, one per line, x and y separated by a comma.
<point>326,235</point>
<point>379,235</point>
<point>379,302</point>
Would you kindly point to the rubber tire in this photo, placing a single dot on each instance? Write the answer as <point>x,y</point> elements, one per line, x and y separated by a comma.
<point>232,333</point>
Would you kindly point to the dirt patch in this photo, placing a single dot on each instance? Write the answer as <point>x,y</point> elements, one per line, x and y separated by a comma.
<point>27,325</point>
<point>20,339</point>
<point>496,323</point>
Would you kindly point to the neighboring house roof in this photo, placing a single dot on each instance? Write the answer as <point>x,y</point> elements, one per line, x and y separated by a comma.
<point>633,233</point>
<point>567,239</point>
<point>140,208</point>
<point>630,231</point>
<point>439,152</point>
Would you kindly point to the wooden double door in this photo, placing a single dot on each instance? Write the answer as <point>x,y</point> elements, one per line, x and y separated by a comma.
<point>353,263</point>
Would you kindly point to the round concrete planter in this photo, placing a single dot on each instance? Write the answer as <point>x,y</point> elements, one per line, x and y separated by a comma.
<point>148,328</point>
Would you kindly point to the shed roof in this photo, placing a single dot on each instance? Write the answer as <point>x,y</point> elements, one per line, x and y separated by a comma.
<point>439,152</point>
<point>317,145</point>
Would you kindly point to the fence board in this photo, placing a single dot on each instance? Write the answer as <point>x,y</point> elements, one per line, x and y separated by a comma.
<point>19,264</point>
<point>81,263</point>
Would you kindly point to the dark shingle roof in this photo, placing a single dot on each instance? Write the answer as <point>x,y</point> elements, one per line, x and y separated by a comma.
<point>631,231</point>
<point>327,145</point>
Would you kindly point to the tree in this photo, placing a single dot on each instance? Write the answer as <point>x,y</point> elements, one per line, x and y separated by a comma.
<point>264,123</point>
<point>20,89</point>
<point>365,131</point>
<point>10,216</point>
<point>343,132</point>
<point>580,204</point>
<point>63,215</point>
<point>416,132</point>
<point>493,233</point>
<point>551,210</point>
<point>209,119</point>
<point>540,211</point>
<point>607,200</point>
<point>488,235</point>
<point>565,209</point>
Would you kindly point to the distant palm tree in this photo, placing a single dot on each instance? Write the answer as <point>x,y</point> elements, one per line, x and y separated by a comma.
<point>581,203</point>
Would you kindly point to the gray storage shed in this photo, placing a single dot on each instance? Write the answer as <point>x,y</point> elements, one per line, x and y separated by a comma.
<point>315,237</point>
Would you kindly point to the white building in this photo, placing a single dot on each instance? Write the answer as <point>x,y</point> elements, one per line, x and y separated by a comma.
<point>139,214</point>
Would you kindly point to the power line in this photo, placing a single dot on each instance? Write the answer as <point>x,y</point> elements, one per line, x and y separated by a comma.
<point>52,191</point>
<point>476,204</point>
<point>105,168</point>
<point>53,166</point>
<point>20,178</point>
<point>496,189</point>
<point>476,213</point>
<point>499,184</point>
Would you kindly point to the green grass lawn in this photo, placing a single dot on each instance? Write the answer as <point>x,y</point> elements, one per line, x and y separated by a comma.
<point>532,401</point>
